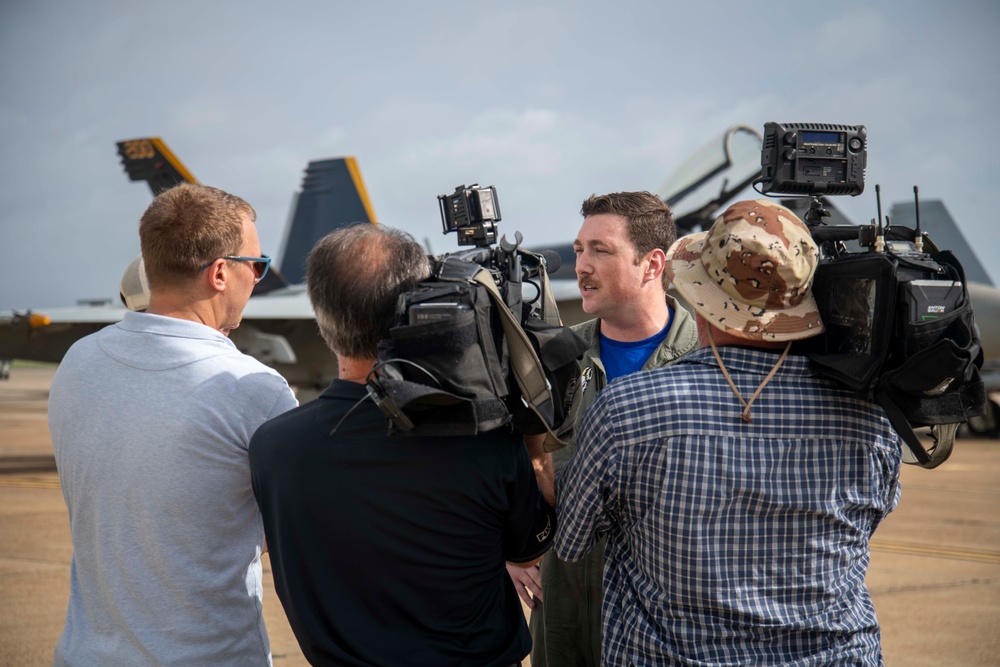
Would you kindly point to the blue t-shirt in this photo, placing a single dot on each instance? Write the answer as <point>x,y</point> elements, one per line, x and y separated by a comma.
<point>623,358</point>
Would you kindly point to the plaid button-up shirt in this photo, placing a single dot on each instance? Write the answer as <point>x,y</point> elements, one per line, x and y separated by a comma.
<point>731,543</point>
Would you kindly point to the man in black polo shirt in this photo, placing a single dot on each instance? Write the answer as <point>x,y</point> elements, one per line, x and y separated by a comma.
<point>391,550</point>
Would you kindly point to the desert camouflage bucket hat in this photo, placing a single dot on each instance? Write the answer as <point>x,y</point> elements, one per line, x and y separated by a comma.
<point>750,274</point>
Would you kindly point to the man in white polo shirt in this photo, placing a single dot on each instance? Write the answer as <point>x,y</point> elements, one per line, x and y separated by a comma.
<point>150,420</point>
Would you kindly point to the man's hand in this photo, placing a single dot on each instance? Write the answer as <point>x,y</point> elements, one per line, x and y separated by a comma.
<point>541,461</point>
<point>527,581</point>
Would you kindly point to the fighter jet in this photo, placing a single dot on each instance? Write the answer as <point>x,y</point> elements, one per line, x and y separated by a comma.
<point>279,325</point>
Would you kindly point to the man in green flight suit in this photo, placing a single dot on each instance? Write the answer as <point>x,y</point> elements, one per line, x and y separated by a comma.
<point>619,267</point>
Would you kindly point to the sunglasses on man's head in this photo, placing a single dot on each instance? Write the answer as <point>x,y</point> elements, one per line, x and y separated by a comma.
<point>258,264</point>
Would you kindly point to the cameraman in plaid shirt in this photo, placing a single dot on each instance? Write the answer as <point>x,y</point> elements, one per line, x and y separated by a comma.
<point>738,489</point>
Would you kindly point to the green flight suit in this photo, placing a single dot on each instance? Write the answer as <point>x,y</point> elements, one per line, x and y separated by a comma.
<point>566,629</point>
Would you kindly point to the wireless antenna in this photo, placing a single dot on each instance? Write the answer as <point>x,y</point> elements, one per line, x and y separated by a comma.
<point>919,240</point>
<point>879,231</point>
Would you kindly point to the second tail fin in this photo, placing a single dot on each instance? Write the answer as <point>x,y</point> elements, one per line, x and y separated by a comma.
<point>333,195</point>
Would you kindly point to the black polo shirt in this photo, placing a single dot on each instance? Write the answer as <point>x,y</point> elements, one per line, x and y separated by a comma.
<point>390,550</point>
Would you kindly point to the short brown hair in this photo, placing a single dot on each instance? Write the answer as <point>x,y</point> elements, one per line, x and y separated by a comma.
<point>649,223</point>
<point>187,226</point>
<point>354,276</point>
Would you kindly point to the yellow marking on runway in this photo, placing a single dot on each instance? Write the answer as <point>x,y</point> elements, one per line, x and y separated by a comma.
<point>30,480</point>
<point>23,415</point>
<point>29,484</point>
<point>936,552</point>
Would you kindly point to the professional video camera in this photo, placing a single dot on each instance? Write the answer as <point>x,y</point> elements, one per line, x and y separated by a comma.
<point>472,212</point>
<point>470,353</point>
<point>899,327</point>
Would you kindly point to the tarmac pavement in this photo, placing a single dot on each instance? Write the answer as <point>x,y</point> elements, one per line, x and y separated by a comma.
<point>934,574</point>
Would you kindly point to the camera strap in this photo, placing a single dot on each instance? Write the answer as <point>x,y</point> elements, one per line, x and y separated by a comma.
<point>915,452</point>
<point>524,362</point>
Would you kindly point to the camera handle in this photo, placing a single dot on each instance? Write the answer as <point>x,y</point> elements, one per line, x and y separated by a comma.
<point>814,216</point>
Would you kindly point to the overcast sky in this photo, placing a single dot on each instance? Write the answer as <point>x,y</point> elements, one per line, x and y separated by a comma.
<point>549,101</point>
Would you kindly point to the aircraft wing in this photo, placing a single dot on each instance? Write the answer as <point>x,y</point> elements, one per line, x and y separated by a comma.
<point>278,328</point>
<point>47,336</point>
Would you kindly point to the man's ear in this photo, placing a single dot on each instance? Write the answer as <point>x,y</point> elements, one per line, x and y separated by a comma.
<point>655,263</point>
<point>216,275</point>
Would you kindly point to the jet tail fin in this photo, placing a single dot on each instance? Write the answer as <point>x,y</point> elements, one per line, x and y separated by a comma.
<point>148,159</point>
<point>333,195</point>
